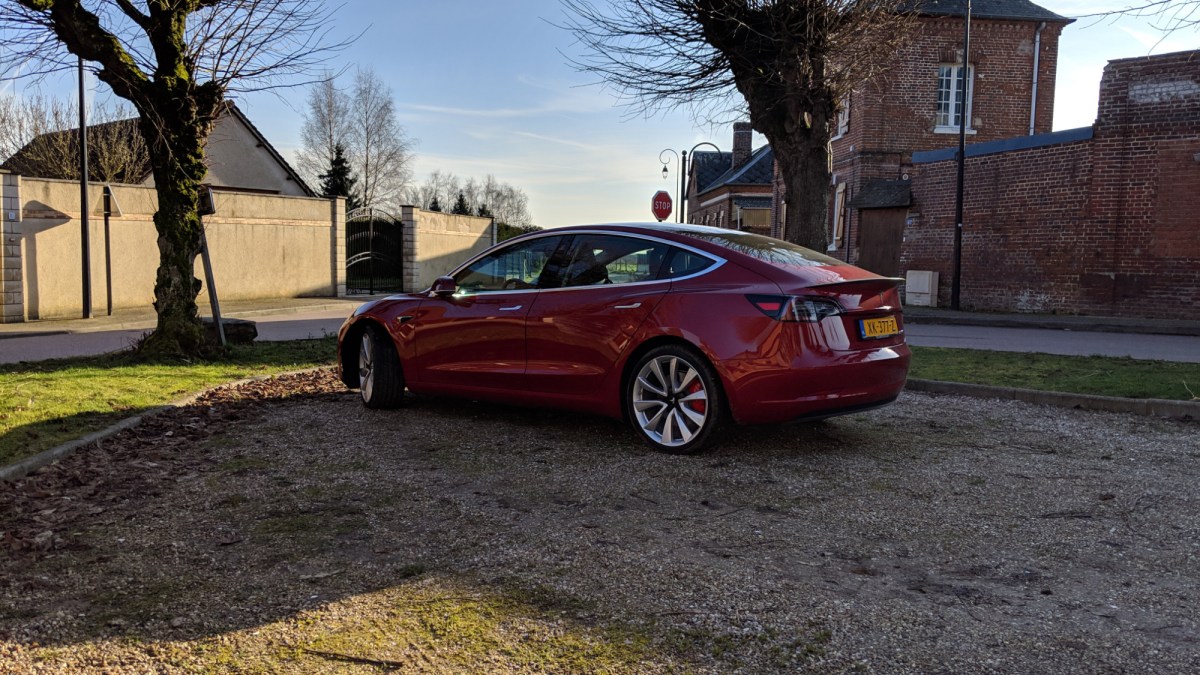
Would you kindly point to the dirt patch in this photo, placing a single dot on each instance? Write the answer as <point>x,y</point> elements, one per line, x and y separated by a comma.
<point>282,526</point>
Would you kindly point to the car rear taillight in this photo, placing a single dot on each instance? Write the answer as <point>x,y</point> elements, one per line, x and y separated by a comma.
<point>795,308</point>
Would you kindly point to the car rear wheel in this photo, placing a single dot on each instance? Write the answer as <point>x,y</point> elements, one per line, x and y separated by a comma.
<point>674,399</point>
<point>380,378</point>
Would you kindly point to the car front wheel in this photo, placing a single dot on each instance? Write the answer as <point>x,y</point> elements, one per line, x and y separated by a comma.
<point>380,377</point>
<point>674,399</point>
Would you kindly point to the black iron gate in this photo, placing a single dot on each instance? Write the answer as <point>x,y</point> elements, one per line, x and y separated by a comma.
<point>374,252</point>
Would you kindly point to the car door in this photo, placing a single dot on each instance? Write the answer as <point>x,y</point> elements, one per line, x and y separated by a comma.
<point>475,338</point>
<point>576,332</point>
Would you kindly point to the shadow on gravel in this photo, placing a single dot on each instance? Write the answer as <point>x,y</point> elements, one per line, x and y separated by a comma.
<point>283,527</point>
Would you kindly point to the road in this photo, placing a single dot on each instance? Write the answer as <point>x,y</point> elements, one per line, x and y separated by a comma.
<point>318,323</point>
<point>279,327</point>
<point>1154,347</point>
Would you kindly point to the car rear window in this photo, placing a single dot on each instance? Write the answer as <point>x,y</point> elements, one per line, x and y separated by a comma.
<point>767,249</point>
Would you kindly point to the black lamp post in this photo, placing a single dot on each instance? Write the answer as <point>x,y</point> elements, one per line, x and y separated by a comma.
<point>687,170</point>
<point>678,169</point>
<point>956,283</point>
<point>85,235</point>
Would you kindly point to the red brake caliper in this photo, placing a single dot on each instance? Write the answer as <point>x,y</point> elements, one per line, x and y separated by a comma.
<point>699,404</point>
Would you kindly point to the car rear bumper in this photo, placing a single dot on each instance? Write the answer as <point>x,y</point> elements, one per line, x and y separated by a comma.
<point>836,384</point>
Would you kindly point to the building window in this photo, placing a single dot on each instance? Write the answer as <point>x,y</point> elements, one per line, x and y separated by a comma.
<point>839,220</point>
<point>843,118</point>
<point>949,107</point>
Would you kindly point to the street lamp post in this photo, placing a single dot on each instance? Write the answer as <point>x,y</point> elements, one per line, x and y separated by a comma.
<point>687,170</point>
<point>956,283</point>
<point>681,163</point>
<point>85,234</point>
<point>678,165</point>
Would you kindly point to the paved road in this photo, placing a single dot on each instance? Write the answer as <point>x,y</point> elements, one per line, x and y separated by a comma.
<point>280,327</point>
<point>1138,346</point>
<point>318,323</point>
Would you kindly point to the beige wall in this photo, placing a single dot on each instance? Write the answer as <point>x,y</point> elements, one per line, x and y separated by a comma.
<point>262,246</point>
<point>435,243</point>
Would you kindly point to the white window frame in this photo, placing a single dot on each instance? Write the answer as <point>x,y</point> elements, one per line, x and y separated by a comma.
<point>839,221</point>
<point>944,120</point>
<point>843,119</point>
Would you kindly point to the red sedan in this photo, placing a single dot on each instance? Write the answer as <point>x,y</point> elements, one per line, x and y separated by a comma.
<point>676,328</point>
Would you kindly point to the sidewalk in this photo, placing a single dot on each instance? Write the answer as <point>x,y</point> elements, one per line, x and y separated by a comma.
<point>138,318</point>
<point>144,318</point>
<point>1100,324</point>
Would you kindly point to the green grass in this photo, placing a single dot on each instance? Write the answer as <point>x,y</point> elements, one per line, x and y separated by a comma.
<point>1100,375</point>
<point>45,403</point>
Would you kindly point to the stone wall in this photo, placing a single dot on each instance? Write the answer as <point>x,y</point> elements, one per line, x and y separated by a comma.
<point>436,243</point>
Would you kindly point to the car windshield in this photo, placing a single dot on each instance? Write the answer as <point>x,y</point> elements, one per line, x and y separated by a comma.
<point>769,250</point>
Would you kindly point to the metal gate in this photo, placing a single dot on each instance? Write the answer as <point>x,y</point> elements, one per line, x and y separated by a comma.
<point>374,252</point>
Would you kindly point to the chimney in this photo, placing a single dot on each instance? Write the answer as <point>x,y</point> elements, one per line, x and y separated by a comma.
<point>741,143</point>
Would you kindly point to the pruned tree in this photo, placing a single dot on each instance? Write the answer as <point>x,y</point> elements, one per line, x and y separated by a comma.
<point>175,61</point>
<point>40,137</point>
<point>379,148</point>
<point>787,63</point>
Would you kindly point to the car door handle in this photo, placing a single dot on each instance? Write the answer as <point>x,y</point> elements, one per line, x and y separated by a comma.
<point>633,306</point>
<point>510,309</point>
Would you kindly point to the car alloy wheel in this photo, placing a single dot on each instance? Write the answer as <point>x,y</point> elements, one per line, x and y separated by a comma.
<point>380,377</point>
<point>674,400</point>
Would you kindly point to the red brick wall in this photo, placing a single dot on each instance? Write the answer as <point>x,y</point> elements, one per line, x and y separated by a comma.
<point>1108,226</point>
<point>893,116</point>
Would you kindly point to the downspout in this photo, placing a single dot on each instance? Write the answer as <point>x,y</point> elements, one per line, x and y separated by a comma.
<point>1037,59</point>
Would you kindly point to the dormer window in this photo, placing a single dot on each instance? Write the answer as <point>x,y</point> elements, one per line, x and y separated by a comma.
<point>949,107</point>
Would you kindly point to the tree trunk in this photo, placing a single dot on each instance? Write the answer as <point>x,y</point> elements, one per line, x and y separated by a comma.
<point>805,169</point>
<point>177,175</point>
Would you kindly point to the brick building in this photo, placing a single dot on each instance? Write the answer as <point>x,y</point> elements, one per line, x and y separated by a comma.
<point>1103,220</point>
<point>914,107</point>
<point>732,189</point>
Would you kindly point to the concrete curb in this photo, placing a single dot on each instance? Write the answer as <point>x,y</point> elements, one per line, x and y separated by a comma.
<point>1152,407</point>
<point>26,466</point>
<point>1191,329</point>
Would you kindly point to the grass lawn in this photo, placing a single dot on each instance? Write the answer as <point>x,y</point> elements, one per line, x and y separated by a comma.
<point>1100,375</point>
<point>45,403</point>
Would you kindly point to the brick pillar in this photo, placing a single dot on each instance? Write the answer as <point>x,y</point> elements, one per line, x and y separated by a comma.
<point>337,234</point>
<point>410,217</point>
<point>742,138</point>
<point>12,300</point>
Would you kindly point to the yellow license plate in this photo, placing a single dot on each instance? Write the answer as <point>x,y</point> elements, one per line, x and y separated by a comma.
<point>878,328</point>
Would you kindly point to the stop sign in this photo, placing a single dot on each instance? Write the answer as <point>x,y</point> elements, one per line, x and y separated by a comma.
<point>660,205</point>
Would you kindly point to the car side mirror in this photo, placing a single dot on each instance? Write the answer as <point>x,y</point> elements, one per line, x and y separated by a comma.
<point>443,287</point>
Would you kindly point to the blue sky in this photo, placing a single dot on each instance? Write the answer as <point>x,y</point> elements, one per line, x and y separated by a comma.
<point>482,87</point>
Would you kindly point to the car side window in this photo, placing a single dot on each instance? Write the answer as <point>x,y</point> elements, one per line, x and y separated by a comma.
<point>681,263</point>
<point>515,267</point>
<point>612,259</point>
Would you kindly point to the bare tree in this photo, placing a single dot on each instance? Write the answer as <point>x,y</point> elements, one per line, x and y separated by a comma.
<point>1171,16</point>
<point>38,138</point>
<point>175,61</point>
<point>326,126</point>
<point>790,61</point>
<point>379,149</point>
<point>502,201</point>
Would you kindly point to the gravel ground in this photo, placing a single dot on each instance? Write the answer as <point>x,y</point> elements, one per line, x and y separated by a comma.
<point>262,532</point>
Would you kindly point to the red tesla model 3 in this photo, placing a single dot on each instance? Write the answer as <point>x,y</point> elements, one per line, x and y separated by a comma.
<point>677,328</point>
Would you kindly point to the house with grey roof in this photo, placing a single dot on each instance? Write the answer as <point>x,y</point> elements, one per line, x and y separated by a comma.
<point>732,189</point>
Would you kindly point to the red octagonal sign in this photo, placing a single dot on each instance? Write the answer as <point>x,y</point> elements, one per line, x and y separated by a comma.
<point>660,205</point>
